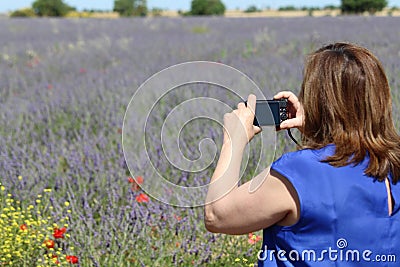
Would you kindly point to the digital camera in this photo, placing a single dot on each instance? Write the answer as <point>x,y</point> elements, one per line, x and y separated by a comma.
<point>270,112</point>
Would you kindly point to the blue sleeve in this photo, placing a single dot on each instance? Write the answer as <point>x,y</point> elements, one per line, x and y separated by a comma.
<point>299,169</point>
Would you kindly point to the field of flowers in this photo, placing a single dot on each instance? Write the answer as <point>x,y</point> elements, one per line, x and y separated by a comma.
<point>67,197</point>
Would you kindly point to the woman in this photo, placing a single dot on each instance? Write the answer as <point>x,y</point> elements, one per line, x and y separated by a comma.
<point>335,202</point>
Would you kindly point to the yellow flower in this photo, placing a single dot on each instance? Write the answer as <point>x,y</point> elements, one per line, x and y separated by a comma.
<point>22,231</point>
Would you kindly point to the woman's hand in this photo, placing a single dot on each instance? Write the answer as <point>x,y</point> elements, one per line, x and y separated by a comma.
<point>295,110</point>
<point>238,125</point>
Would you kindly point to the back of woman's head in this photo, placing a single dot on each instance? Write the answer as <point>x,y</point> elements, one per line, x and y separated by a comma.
<point>347,102</point>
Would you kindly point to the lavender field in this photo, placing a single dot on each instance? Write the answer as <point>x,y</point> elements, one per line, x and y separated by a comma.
<point>65,85</point>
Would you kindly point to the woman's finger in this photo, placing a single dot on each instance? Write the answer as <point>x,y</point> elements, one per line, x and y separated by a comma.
<point>287,94</point>
<point>257,129</point>
<point>241,105</point>
<point>251,103</point>
<point>291,123</point>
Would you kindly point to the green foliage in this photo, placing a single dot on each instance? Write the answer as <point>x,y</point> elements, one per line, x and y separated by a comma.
<point>25,12</point>
<point>330,7</point>
<point>184,13</point>
<point>310,9</point>
<point>207,7</point>
<point>361,6</point>
<point>51,8</point>
<point>128,8</point>
<point>287,8</point>
<point>252,9</point>
<point>123,7</point>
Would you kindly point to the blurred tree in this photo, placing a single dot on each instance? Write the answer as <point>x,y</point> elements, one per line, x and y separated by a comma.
<point>24,12</point>
<point>331,7</point>
<point>128,8</point>
<point>287,8</point>
<point>51,8</point>
<point>207,7</point>
<point>252,9</point>
<point>361,6</point>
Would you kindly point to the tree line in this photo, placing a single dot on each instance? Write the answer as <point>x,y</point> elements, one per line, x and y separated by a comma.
<point>128,8</point>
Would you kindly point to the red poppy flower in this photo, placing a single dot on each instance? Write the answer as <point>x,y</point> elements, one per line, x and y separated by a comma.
<point>135,182</point>
<point>49,243</point>
<point>23,227</point>
<point>142,198</point>
<point>59,232</point>
<point>139,180</point>
<point>72,259</point>
<point>253,238</point>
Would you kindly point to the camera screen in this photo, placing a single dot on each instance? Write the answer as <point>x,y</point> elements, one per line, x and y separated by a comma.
<point>267,113</point>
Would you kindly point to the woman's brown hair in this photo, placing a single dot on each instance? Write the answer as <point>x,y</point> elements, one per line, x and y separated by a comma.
<point>347,102</point>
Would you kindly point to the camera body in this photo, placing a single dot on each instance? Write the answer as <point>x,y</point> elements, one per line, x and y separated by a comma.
<point>270,112</point>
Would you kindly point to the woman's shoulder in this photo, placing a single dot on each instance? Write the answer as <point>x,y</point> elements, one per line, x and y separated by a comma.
<point>308,154</point>
<point>303,161</point>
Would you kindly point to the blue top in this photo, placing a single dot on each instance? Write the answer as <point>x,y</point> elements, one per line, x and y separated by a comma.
<point>344,217</point>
